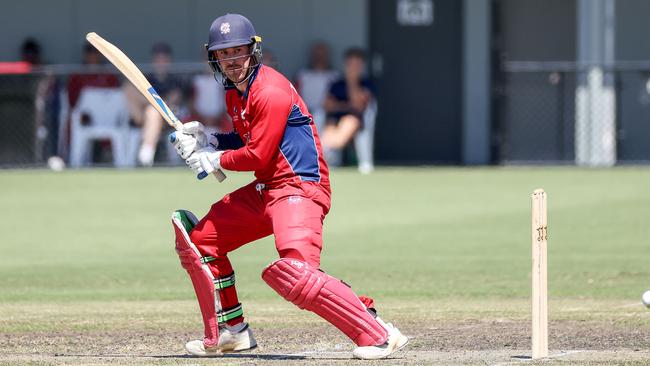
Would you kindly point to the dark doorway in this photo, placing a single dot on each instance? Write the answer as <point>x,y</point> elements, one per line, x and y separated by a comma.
<point>417,69</point>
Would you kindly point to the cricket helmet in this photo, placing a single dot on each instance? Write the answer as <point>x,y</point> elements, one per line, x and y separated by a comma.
<point>233,30</point>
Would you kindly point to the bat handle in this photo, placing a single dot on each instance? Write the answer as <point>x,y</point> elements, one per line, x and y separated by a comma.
<point>217,174</point>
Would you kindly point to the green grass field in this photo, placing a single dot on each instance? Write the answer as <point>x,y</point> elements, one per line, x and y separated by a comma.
<point>92,251</point>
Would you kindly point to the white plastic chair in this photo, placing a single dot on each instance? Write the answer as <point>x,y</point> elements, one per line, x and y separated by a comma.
<point>364,140</point>
<point>109,119</point>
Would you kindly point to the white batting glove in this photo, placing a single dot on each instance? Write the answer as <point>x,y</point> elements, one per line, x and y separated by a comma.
<point>206,160</point>
<point>191,138</point>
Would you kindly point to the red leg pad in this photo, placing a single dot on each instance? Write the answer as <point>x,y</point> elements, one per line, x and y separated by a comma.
<point>202,280</point>
<point>330,298</point>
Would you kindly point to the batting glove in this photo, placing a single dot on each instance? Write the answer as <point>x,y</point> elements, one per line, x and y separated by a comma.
<point>206,160</point>
<point>191,138</point>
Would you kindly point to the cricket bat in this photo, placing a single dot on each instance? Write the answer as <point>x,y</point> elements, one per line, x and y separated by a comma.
<point>135,76</point>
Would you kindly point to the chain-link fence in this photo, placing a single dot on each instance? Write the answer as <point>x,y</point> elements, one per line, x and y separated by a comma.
<point>20,143</point>
<point>572,114</point>
<point>48,112</point>
<point>542,113</point>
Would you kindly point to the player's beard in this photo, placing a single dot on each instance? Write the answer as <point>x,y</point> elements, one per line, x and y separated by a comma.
<point>238,73</point>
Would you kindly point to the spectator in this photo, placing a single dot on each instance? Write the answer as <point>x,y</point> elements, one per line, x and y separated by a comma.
<point>207,102</point>
<point>90,77</point>
<point>30,52</point>
<point>313,82</point>
<point>47,104</point>
<point>145,115</point>
<point>345,103</point>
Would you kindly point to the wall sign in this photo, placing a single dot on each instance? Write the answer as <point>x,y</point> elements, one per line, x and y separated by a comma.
<point>415,12</point>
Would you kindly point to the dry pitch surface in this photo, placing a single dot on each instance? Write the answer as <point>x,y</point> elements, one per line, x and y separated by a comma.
<point>442,333</point>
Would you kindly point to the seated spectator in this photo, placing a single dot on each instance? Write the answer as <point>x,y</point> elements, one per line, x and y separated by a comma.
<point>313,82</point>
<point>30,52</point>
<point>47,103</point>
<point>207,102</point>
<point>143,114</point>
<point>88,78</point>
<point>345,104</point>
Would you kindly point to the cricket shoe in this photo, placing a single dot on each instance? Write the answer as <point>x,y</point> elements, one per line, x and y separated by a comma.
<point>396,341</point>
<point>231,339</point>
<point>236,339</point>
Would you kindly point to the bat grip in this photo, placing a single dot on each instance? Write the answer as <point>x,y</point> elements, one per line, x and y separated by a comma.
<point>217,174</point>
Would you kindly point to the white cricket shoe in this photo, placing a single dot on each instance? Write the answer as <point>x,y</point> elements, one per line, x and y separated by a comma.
<point>197,348</point>
<point>235,339</point>
<point>396,341</point>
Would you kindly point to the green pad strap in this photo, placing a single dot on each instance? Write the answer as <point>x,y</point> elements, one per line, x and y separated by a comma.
<point>232,313</point>
<point>207,259</point>
<point>223,282</point>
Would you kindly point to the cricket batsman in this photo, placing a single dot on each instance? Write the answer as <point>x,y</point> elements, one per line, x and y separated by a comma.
<point>275,137</point>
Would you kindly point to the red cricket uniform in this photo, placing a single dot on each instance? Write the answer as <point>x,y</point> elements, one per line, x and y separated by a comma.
<point>291,194</point>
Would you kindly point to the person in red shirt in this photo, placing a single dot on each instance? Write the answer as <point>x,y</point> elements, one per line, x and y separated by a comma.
<point>77,82</point>
<point>275,137</point>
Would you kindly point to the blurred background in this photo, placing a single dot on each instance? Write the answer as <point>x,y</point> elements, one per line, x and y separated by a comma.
<point>473,82</point>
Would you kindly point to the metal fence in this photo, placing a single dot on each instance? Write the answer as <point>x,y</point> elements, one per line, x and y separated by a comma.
<point>37,118</point>
<point>567,113</point>
<point>543,113</point>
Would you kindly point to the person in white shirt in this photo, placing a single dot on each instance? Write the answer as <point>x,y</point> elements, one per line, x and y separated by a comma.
<point>313,82</point>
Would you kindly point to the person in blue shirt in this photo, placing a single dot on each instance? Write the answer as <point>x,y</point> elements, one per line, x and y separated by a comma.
<point>346,101</point>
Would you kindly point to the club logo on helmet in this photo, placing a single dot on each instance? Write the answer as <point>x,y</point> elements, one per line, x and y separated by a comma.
<point>225,28</point>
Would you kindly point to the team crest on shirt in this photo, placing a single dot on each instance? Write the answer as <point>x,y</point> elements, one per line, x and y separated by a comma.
<point>237,115</point>
<point>240,117</point>
<point>225,28</point>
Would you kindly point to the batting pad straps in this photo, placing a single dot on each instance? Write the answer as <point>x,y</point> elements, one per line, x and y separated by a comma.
<point>207,259</point>
<point>229,314</point>
<point>223,282</point>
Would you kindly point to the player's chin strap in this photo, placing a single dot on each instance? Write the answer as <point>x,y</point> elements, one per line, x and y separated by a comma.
<point>227,83</point>
<point>255,57</point>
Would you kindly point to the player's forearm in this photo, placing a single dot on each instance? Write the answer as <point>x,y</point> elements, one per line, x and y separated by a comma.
<point>242,160</point>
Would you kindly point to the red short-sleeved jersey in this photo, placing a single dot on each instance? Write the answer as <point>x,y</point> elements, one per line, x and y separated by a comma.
<point>278,132</point>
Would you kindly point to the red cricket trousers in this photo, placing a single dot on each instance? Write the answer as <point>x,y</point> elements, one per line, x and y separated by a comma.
<point>293,212</point>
